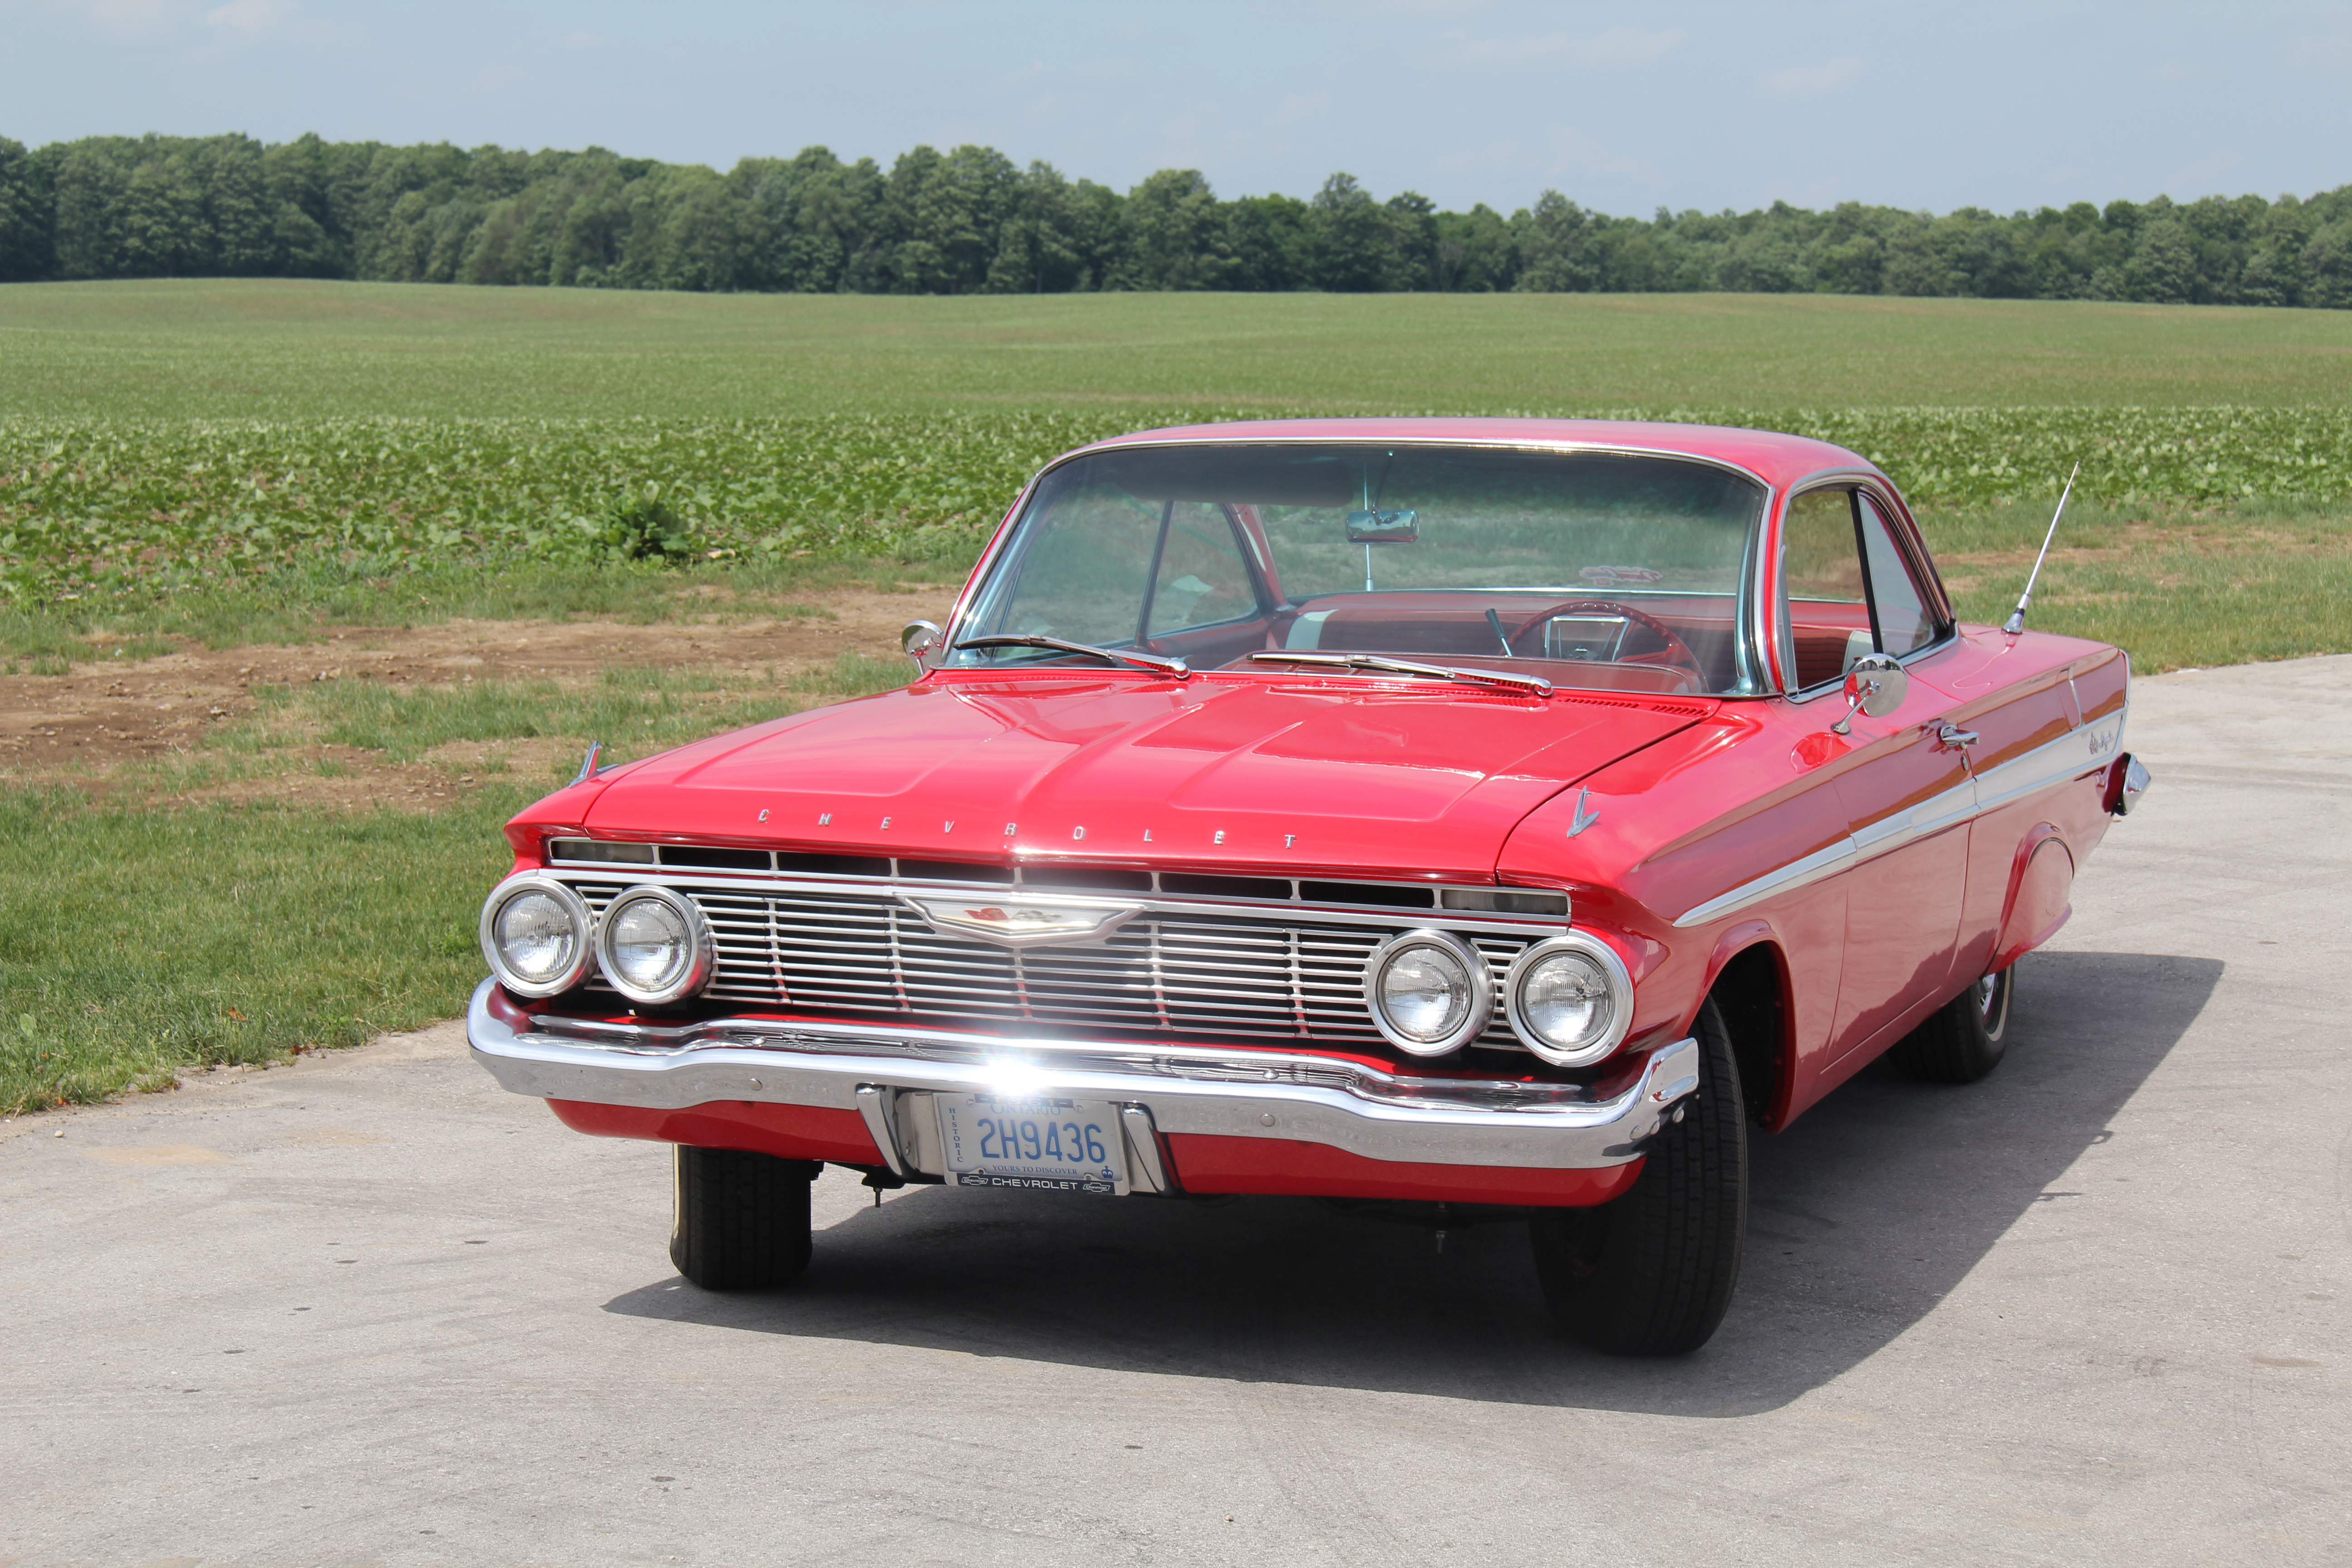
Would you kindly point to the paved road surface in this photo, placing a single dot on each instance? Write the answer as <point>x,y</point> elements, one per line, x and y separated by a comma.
<point>2092,1311</point>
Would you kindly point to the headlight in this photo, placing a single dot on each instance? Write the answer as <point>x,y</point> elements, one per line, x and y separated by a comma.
<point>1430,992</point>
<point>655,945</point>
<point>535,936</point>
<point>1571,999</point>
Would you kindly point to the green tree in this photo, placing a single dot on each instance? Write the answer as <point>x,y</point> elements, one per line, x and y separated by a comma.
<point>1349,237</point>
<point>1174,233</point>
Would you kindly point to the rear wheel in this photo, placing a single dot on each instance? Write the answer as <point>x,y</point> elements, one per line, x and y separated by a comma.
<point>1966,1038</point>
<point>740,1220</point>
<point>1650,1273</point>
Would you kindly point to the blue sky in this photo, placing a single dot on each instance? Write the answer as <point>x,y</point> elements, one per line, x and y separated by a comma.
<point>1624,108</point>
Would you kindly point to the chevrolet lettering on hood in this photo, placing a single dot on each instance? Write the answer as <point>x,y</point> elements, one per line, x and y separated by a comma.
<point>1484,821</point>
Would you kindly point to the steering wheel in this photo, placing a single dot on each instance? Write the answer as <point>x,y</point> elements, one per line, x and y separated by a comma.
<point>1675,655</point>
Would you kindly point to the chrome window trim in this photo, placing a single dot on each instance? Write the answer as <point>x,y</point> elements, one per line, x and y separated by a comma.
<point>1782,645</point>
<point>583,962</point>
<point>1621,997</point>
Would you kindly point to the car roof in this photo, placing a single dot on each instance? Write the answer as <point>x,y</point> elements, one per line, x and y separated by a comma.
<point>1778,459</point>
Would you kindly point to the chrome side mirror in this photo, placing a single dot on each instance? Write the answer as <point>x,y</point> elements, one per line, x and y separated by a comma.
<point>1876,686</point>
<point>919,640</point>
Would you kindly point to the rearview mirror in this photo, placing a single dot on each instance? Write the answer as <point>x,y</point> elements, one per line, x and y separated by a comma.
<point>918,641</point>
<point>1384,527</point>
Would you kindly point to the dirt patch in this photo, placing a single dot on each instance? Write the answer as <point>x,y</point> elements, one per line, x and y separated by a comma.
<point>154,726</point>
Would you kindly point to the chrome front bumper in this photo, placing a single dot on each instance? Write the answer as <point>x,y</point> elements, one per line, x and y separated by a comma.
<point>876,1072</point>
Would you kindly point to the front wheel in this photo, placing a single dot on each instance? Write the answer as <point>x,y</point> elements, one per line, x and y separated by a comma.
<point>1650,1273</point>
<point>1965,1038</point>
<point>740,1219</point>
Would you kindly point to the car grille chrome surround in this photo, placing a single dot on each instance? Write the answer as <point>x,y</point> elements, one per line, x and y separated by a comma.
<point>1179,969</point>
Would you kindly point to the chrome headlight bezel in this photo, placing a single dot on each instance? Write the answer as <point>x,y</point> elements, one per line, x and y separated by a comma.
<point>584,957</point>
<point>701,954</point>
<point>1474,965</point>
<point>1613,972</point>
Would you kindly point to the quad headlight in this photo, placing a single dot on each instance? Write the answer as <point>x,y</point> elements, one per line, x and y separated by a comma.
<point>654,945</point>
<point>1430,992</point>
<point>1571,999</point>
<point>535,933</point>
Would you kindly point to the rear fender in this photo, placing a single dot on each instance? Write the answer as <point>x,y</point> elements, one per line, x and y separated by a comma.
<point>2040,881</point>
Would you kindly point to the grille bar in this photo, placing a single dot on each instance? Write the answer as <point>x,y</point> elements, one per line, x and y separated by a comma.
<point>1285,977</point>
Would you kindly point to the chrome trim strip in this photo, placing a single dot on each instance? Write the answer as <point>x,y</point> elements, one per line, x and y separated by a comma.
<point>1238,1094</point>
<point>877,1105</point>
<point>1802,872</point>
<point>2052,762</point>
<point>2046,766</point>
<point>1143,1149</point>
<point>1398,916</point>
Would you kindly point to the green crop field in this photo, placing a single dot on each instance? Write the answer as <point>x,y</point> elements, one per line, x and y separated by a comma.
<point>256,350</point>
<point>210,465</point>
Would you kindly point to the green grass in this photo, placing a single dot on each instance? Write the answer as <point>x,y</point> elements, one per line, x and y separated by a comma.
<point>271,350</point>
<point>136,943</point>
<point>2176,586</point>
<point>634,709</point>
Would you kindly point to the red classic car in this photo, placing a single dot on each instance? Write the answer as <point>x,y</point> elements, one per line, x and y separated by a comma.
<point>1488,819</point>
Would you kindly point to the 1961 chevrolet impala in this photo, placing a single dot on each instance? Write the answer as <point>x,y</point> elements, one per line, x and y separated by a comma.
<point>1483,818</point>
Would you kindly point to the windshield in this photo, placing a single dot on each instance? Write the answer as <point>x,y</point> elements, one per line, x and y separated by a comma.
<point>1590,569</point>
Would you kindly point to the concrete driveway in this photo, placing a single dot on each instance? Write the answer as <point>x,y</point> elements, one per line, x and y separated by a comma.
<point>2093,1309</point>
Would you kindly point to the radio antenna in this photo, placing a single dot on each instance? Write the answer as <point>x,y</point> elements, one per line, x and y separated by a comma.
<point>2016,622</point>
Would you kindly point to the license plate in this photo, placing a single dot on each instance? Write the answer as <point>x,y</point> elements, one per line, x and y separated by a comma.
<point>1042,1144</point>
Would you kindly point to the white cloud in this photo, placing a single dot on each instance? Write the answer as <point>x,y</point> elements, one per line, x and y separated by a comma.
<point>1805,81</point>
<point>249,15</point>
<point>130,18</point>
<point>1617,47</point>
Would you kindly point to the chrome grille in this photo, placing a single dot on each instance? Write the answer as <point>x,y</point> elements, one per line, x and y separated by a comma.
<point>1165,970</point>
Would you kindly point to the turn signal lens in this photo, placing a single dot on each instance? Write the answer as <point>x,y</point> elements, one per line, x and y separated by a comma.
<point>535,933</point>
<point>1430,993</point>
<point>1571,999</point>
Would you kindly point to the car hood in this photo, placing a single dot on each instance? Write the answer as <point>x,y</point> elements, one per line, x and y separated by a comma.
<point>1308,776</point>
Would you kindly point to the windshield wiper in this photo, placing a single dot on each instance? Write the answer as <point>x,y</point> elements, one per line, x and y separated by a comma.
<point>1175,666</point>
<point>1535,683</point>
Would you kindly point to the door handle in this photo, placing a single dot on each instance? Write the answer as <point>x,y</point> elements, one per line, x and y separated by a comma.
<point>1952,735</point>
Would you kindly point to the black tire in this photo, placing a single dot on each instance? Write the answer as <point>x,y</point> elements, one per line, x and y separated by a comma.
<point>1652,1273</point>
<point>1966,1038</point>
<point>742,1220</point>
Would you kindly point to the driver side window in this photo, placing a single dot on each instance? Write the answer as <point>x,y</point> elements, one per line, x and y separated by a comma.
<point>1847,589</point>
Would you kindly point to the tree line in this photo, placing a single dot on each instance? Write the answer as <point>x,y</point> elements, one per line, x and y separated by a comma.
<point>971,221</point>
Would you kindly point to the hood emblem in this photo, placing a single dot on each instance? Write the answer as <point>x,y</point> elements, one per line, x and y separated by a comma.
<point>1584,818</point>
<point>1016,921</point>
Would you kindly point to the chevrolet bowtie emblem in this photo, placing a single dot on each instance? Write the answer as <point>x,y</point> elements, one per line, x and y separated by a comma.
<point>1021,923</point>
